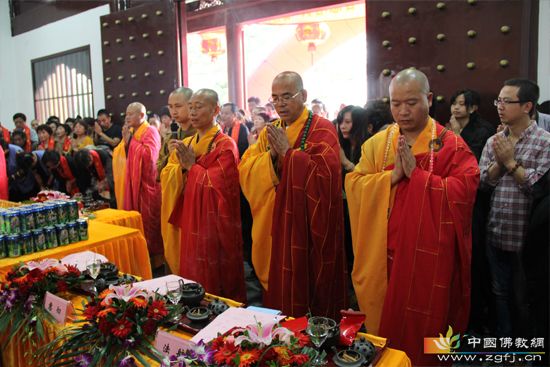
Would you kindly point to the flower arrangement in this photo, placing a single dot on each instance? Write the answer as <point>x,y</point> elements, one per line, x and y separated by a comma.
<point>256,345</point>
<point>22,296</point>
<point>117,329</point>
<point>46,195</point>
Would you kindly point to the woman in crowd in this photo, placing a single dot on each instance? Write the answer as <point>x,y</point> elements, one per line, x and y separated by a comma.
<point>378,115</point>
<point>260,120</point>
<point>466,122</point>
<point>353,131</point>
<point>81,137</point>
<point>45,138</point>
<point>62,140</point>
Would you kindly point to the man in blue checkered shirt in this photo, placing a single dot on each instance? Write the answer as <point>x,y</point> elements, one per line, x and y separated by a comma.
<point>512,161</point>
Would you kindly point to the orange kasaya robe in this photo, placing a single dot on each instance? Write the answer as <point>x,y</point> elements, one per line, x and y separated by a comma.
<point>297,232</point>
<point>142,191</point>
<point>5,134</point>
<point>98,165</point>
<point>119,172</point>
<point>49,146</point>
<point>64,171</point>
<point>208,214</point>
<point>412,271</point>
<point>28,144</point>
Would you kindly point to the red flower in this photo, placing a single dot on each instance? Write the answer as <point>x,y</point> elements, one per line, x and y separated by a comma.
<point>248,357</point>
<point>72,270</point>
<point>90,312</point>
<point>62,286</point>
<point>105,326</point>
<point>139,302</point>
<point>157,310</point>
<point>122,328</point>
<point>149,327</point>
<point>283,355</point>
<point>302,339</point>
<point>226,354</point>
<point>299,359</point>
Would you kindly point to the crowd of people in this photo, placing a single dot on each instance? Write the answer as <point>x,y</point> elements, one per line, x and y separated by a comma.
<point>421,224</point>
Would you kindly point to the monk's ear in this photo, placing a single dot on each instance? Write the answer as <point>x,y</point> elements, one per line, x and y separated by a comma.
<point>430,97</point>
<point>217,110</point>
<point>304,95</point>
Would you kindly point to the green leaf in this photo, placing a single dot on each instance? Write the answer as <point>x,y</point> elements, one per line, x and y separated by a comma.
<point>140,359</point>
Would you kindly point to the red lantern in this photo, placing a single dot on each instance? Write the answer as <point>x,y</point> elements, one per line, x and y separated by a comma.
<point>212,45</point>
<point>313,34</point>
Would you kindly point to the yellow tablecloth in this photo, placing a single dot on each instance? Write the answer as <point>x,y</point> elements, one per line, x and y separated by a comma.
<point>8,204</point>
<point>14,353</point>
<point>125,247</point>
<point>123,218</point>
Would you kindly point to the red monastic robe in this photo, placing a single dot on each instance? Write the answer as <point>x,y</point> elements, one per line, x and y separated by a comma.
<point>307,267</point>
<point>3,176</point>
<point>50,145</point>
<point>5,134</point>
<point>428,241</point>
<point>142,191</point>
<point>208,214</point>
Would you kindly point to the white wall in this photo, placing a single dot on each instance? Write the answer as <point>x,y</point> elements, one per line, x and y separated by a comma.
<point>544,50</point>
<point>16,53</point>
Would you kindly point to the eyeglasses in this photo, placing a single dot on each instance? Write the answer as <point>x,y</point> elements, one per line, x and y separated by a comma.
<point>504,102</point>
<point>285,98</point>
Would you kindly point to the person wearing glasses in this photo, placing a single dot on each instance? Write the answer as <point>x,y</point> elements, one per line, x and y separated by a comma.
<point>410,201</point>
<point>512,162</point>
<point>291,178</point>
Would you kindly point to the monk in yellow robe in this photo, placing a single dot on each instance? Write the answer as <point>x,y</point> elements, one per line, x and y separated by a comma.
<point>119,169</point>
<point>203,169</point>
<point>410,204</point>
<point>291,178</point>
<point>170,180</point>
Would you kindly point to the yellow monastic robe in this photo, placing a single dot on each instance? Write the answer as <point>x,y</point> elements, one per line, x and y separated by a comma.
<point>172,182</point>
<point>258,180</point>
<point>119,172</point>
<point>370,198</point>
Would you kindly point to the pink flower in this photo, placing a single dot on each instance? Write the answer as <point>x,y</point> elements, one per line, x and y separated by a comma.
<point>124,293</point>
<point>262,335</point>
<point>45,264</point>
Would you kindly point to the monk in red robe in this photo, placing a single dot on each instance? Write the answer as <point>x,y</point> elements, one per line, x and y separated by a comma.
<point>142,191</point>
<point>410,204</point>
<point>291,178</point>
<point>203,168</point>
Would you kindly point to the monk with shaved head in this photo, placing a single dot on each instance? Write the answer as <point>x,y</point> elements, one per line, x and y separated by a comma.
<point>291,178</point>
<point>410,203</point>
<point>141,190</point>
<point>202,174</point>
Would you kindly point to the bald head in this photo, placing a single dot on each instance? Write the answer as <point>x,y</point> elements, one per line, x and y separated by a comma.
<point>412,75</point>
<point>183,91</point>
<point>136,113</point>
<point>291,77</point>
<point>208,95</point>
<point>410,101</point>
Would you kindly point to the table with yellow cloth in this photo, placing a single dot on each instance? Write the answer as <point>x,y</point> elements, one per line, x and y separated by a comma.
<point>125,247</point>
<point>123,218</point>
<point>8,204</point>
<point>14,353</point>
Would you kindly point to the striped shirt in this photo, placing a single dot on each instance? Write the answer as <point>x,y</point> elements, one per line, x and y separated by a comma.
<point>510,201</point>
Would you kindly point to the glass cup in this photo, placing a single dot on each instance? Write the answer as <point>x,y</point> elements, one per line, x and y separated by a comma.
<point>318,329</point>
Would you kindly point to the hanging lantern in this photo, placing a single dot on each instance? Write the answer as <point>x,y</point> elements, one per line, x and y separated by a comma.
<point>312,34</point>
<point>212,45</point>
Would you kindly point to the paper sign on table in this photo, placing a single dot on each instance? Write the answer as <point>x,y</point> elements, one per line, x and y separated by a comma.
<point>169,344</point>
<point>82,259</point>
<point>58,307</point>
<point>270,311</point>
<point>159,284</point>
<point>234,316</point>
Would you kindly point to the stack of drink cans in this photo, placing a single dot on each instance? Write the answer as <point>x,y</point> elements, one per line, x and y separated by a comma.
<point>36,227</point>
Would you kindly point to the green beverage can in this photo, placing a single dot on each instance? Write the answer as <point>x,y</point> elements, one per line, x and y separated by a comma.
<point>29,218</point>
<point>13,246</point>
<point>62,234</point>
<point>61,214</point>
<point>3,252</point>
<point>82,229</point>
<point>51,237</point>
<point>25,240</point>
<point>73,210</point>
<point>23,219</point>
<point>12,222</point>
<point>2,211</point>
<point>73,232</point>
<point>51,214</point>
<point>39,239</point>
<point>40,216</point>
